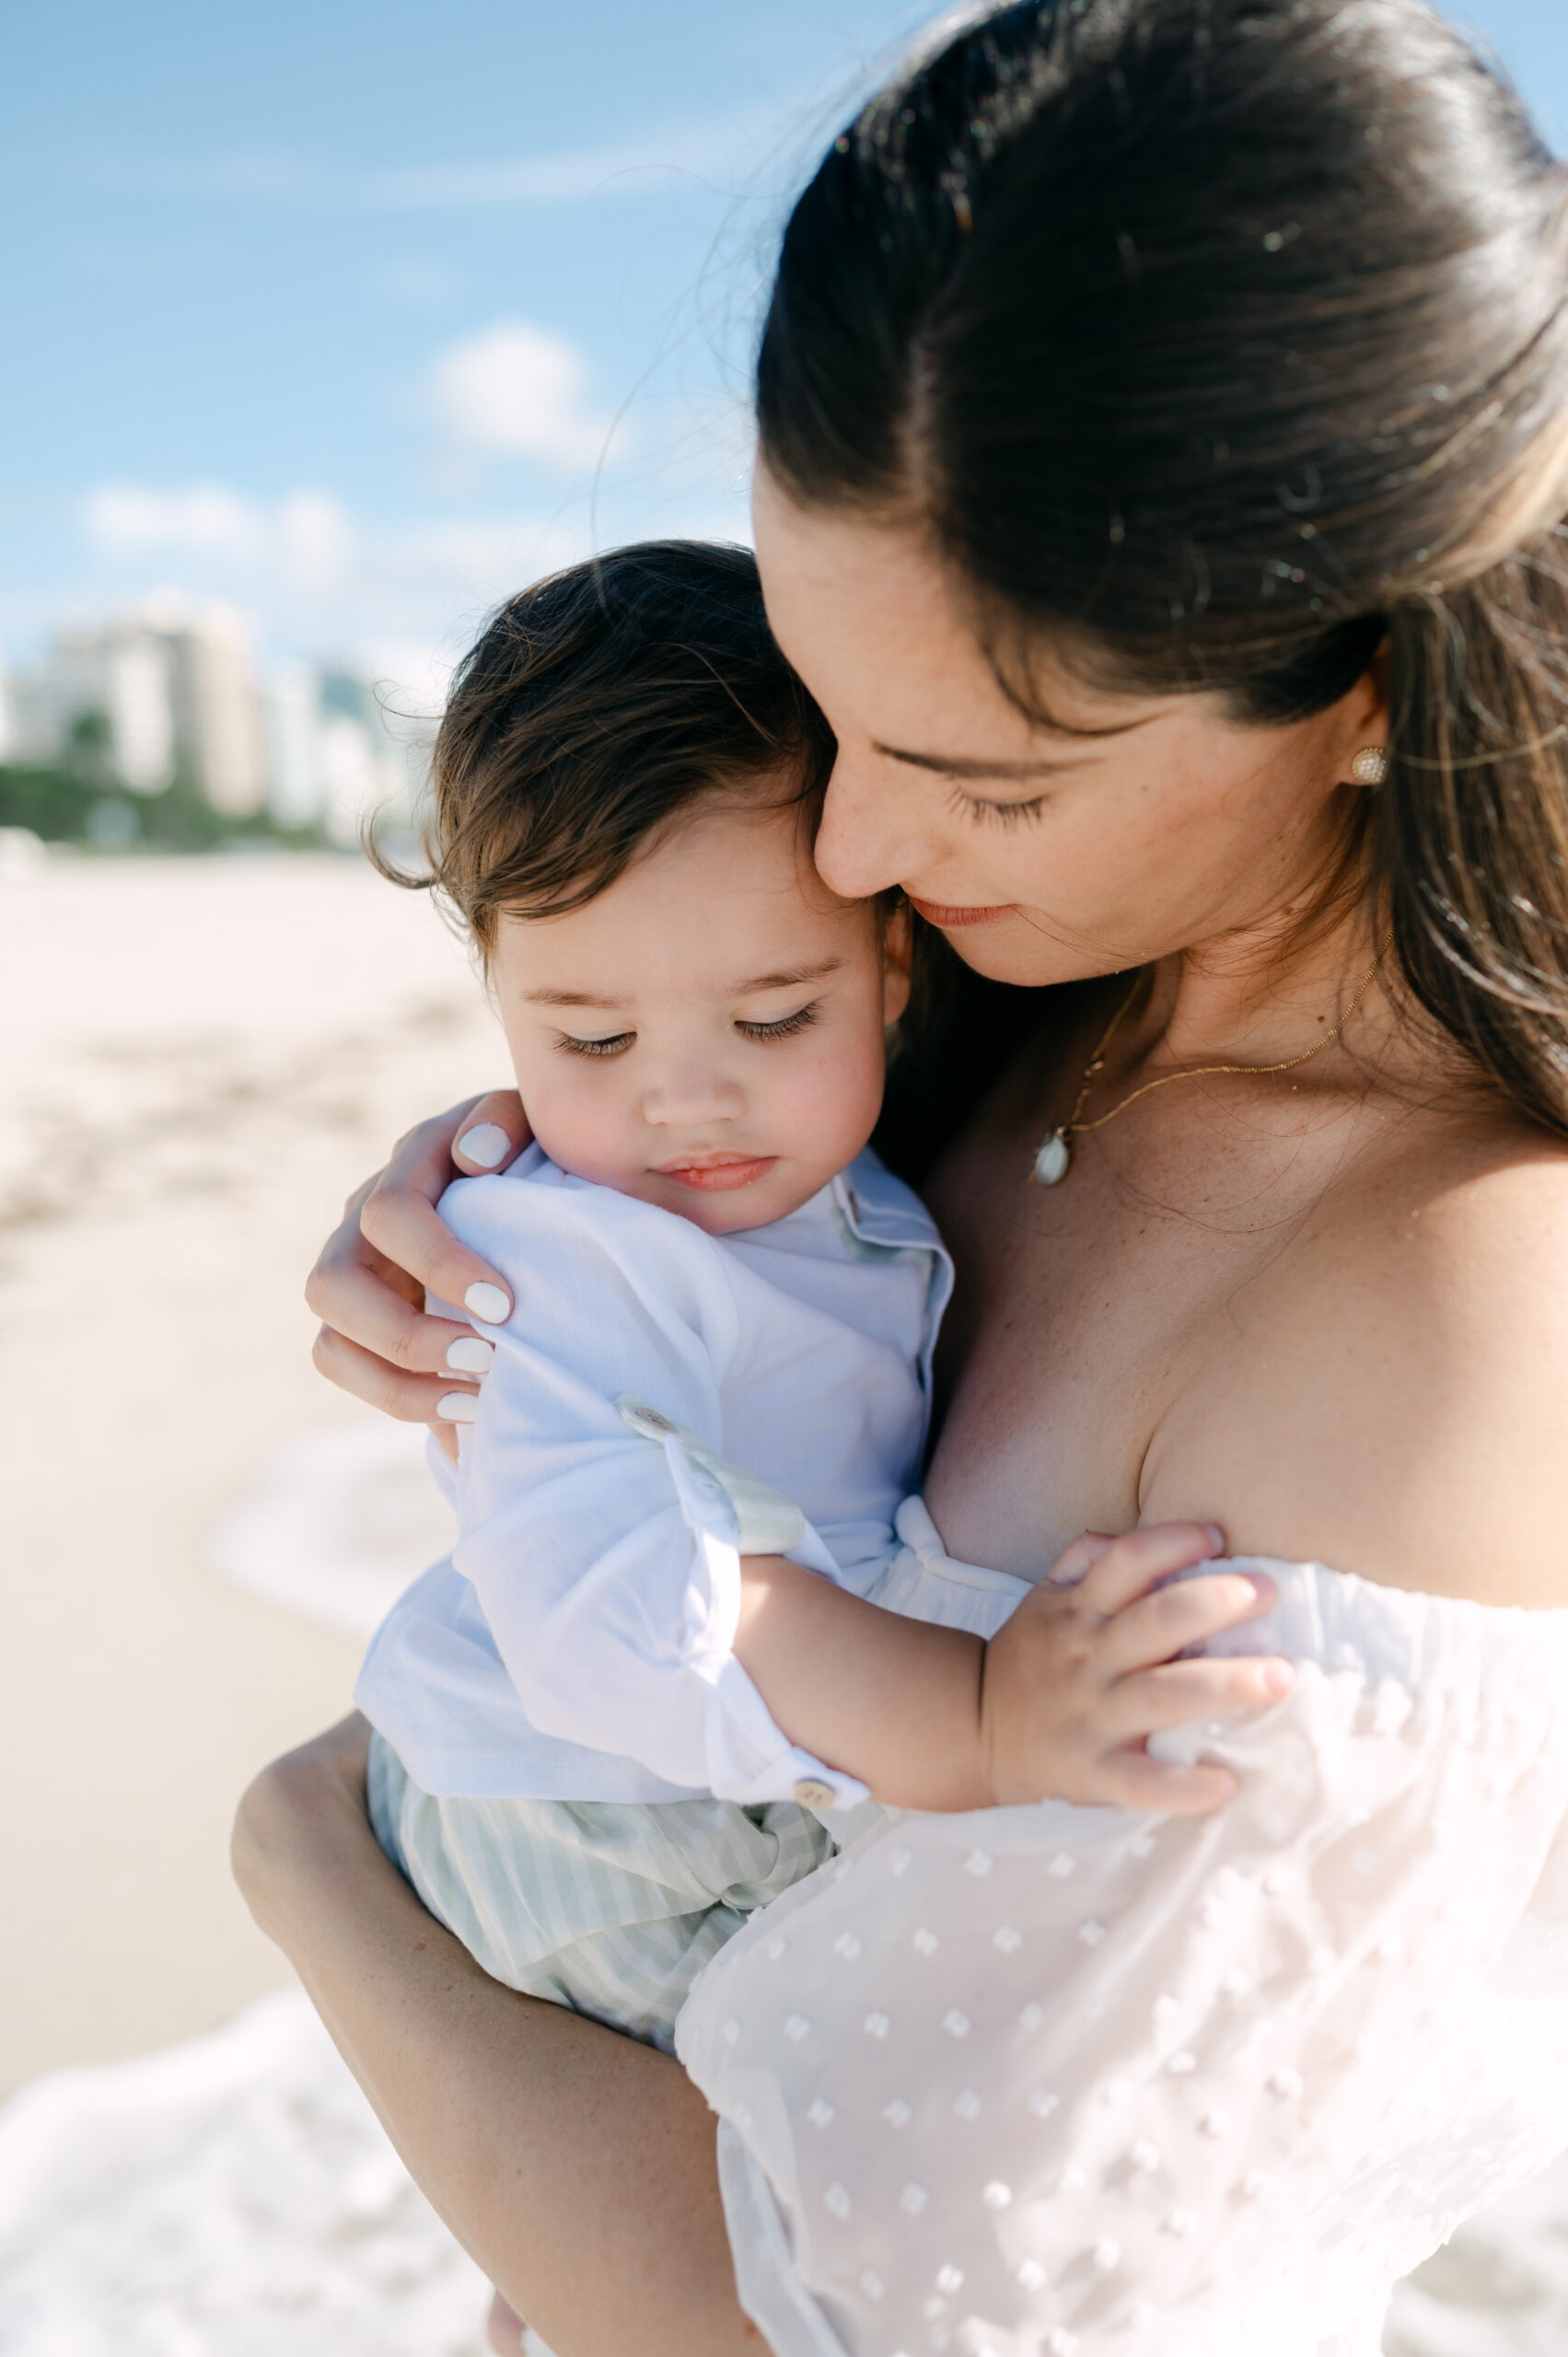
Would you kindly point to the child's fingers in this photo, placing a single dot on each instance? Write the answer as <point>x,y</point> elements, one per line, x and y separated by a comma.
<point>1183,1692</point>
<point>1158,1627</point>
<point>1132,1779</point>
<point>1075,1563</point>
<point>1130,1566</point>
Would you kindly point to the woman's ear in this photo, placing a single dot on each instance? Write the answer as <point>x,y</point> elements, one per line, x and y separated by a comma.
<point>1368,722</point>
<point>897,952</point>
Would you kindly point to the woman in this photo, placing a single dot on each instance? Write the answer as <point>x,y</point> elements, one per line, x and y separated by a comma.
<point>1163,418</point>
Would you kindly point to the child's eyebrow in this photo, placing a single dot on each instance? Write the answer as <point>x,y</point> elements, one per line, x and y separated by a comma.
<point>789,978</point>
<point>570,998</point>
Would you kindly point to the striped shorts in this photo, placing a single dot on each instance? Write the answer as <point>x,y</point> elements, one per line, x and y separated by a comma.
<point>611,1907</point>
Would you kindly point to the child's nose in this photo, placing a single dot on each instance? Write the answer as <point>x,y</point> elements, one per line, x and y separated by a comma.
<point>685,1094</point>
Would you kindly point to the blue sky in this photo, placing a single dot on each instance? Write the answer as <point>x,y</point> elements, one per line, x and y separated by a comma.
<point>326,309</point>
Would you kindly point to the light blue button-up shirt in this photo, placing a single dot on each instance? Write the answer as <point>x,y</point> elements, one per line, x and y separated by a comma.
<point>577,1644</point>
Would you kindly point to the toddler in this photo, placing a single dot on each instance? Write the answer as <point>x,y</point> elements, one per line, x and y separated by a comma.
<point>710,1400</point>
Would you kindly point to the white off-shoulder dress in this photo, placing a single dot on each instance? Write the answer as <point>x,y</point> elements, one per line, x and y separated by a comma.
<point>1061,2082</point>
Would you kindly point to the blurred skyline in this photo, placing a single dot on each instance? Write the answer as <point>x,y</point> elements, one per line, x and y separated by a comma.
<point>355,319</point>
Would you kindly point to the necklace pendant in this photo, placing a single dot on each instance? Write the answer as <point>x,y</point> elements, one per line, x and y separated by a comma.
<point>1054,1161</point>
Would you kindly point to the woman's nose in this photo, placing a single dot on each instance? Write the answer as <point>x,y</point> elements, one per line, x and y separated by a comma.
<point>871,833</point>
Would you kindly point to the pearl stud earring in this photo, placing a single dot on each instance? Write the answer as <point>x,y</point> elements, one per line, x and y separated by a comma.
<point>1371,766</point>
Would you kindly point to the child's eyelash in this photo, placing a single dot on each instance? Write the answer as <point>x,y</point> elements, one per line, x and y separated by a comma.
<point>613,1047</point>
<point>999,814</point>
<point>800,1021</point>
<point>622,1040</point>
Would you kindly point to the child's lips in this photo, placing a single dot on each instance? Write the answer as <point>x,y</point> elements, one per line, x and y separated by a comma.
<point>716,1174</point>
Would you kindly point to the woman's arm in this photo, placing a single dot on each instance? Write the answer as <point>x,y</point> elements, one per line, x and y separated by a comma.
<point>391,1248</point>
<point>575,2166</point>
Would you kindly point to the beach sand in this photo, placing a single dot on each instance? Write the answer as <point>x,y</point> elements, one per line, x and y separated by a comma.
<point>199,1059</point>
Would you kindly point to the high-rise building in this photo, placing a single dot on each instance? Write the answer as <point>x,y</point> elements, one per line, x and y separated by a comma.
<point>171,691</point>
<point>296,790</point>
<point>106,693</point>
<point>218,710</point>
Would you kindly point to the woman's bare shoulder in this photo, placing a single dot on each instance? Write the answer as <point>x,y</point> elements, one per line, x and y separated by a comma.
<point>1391,1397</point>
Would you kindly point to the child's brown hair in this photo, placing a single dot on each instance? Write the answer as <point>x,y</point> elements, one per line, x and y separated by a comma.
<point>594,706</point>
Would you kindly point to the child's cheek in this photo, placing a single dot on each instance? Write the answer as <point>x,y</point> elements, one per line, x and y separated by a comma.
<point>829,1104</point>
<point>584,1123</point>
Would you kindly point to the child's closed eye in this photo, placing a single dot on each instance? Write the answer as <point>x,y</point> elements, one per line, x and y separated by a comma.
<point>785,1024</point>
<point>615,1046</point>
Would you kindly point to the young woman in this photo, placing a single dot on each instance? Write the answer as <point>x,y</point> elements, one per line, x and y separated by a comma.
<point>1164,417</point>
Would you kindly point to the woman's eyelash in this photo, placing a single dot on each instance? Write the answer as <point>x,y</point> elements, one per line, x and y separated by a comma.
<point>799,1021</point>
<point>612,1047</point>
<point>1000,814</point>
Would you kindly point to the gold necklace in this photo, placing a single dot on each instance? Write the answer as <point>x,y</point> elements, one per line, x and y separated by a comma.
<point>1054,1158</point>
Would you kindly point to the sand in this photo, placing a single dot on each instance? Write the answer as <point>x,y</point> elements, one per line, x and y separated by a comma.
<point>199,1060</point>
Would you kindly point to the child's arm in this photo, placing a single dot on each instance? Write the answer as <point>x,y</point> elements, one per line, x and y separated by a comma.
<point>1057,1705</point>
<point>609,1585</point>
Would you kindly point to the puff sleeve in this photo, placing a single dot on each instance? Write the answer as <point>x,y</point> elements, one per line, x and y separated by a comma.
<point>1077,2082</point>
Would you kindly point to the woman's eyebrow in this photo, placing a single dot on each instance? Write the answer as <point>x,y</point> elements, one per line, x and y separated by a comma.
<point>958,765</point>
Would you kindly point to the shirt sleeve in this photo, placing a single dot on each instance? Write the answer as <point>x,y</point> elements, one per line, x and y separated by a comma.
<point>1065,2079</point>
<point>603,1546</point>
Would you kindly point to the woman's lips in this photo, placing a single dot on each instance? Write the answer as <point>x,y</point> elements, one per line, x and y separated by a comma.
<point>716,1177</point>
<point>948,919</point>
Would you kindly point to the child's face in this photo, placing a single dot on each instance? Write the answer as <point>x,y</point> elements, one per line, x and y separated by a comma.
<point>707,1033</point>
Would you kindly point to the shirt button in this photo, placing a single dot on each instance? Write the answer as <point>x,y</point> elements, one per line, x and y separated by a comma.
<point>812,1792</point>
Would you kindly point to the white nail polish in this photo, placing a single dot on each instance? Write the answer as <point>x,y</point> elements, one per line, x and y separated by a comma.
<point>469,1355</point>
<point>458,1408</point>
<point>488,1302</point>
<point>485,1144</point>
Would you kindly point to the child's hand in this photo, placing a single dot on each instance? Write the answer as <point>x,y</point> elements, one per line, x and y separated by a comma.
<point>1085,1671</point>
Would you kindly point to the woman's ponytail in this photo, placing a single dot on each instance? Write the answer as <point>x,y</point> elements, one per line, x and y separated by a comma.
<point>1472,840</point>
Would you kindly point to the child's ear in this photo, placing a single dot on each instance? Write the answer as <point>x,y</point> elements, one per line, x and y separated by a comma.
<point>897,952</point>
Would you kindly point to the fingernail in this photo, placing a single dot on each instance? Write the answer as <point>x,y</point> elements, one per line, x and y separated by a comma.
<point>1214,1534</point>
<point>1278,1677</point>
<point>458,1408</point>
<point>469,1355</point>
<point>489,1302</point>
<point>485,1144</point>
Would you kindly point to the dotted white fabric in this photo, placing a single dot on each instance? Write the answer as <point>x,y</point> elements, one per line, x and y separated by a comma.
<point>1071,2083</point>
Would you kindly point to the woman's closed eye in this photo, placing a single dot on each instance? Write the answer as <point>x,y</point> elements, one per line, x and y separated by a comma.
<point>999,814</point>
<point>782,1025</point>
<point>616,1045</point>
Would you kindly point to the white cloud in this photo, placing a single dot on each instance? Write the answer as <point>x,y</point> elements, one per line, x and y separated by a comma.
<point>520,391</point>
<point>123,520</point>
<point>307,537</point>
<point>687,149</point>
<point>319,578</point>
<point>716,146</point>
<point>315,541</point>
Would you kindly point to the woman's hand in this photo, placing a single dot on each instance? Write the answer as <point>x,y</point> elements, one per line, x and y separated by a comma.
<point>369,1285</point>
<point>1088,1668</point>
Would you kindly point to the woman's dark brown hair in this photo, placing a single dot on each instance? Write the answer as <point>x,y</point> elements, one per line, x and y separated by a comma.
<point>1226,341</point>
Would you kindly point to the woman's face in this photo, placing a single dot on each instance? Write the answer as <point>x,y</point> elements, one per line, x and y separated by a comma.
<point>1132,828</point>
